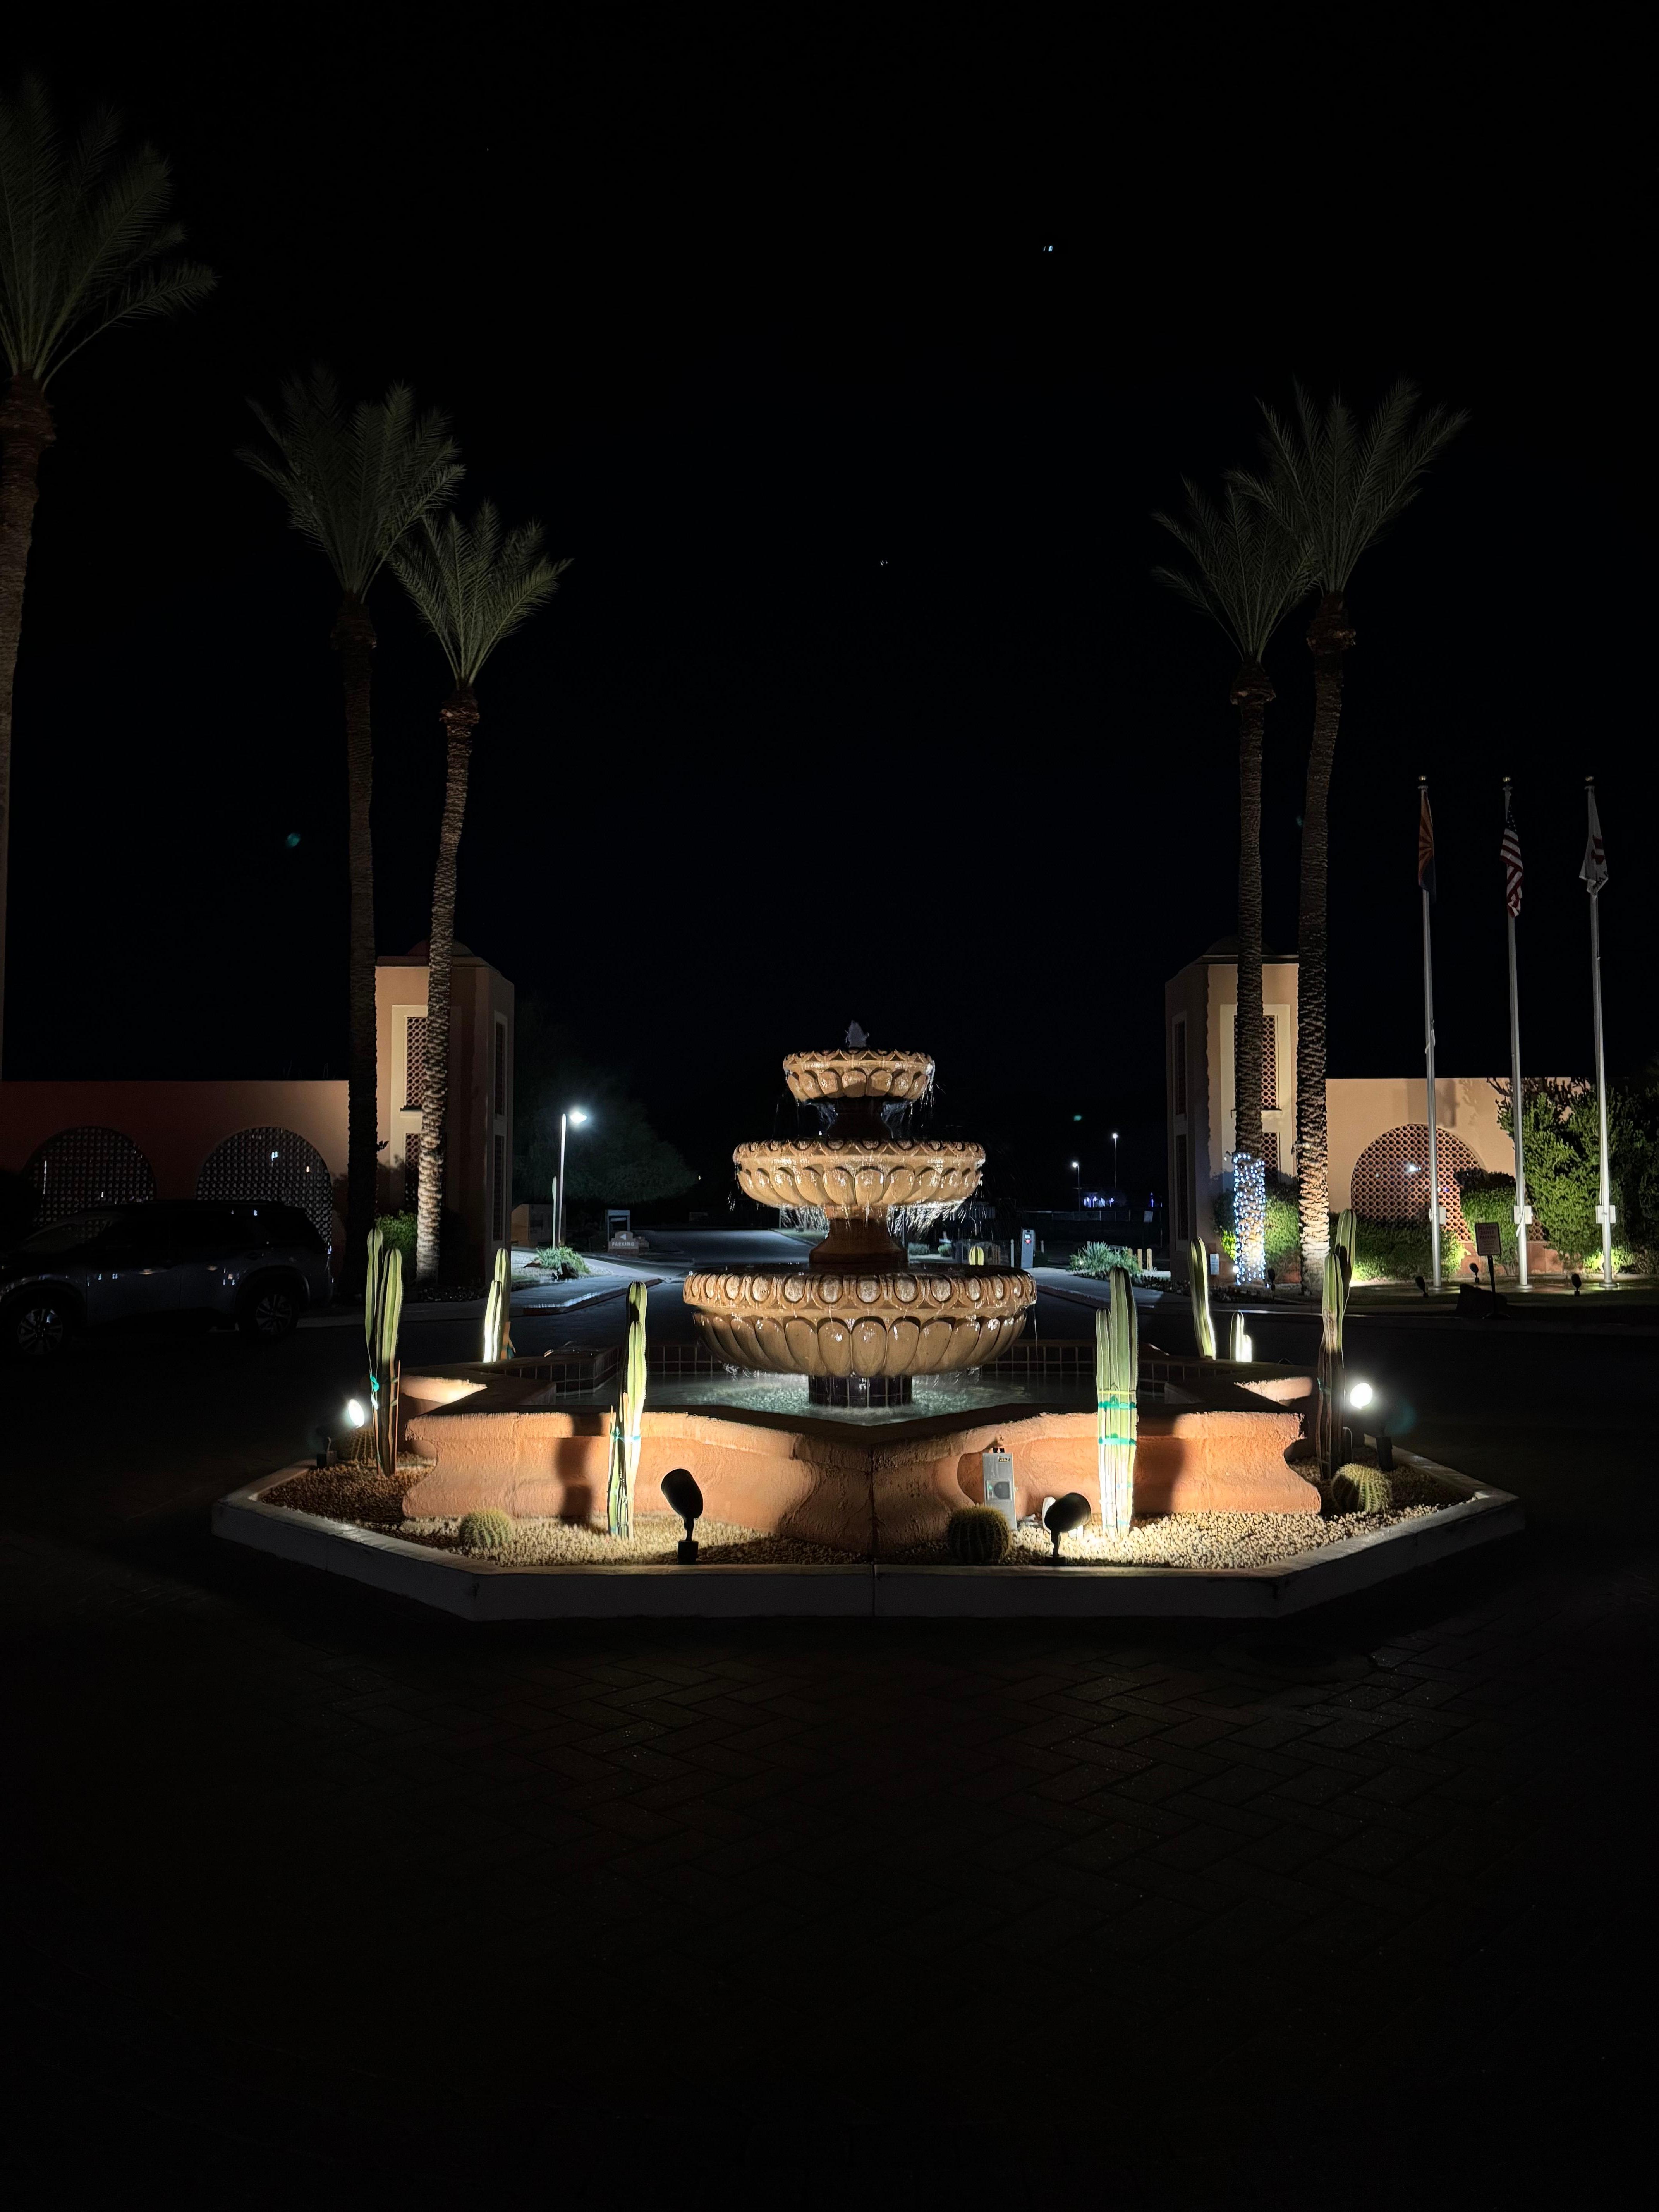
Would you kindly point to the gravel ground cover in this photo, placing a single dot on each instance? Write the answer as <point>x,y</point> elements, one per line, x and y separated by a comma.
<point>361,1494</point>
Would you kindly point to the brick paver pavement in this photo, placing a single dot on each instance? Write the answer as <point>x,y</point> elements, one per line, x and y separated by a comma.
<point>307,1891</point>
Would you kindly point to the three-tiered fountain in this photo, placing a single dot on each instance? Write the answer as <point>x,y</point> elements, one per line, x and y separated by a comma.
<point>858,1319</point>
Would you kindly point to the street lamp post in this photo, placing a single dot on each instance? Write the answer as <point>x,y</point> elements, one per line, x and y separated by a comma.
<point>1077,1168</point>
<point>578,1115</point>
<point>1115,1167</point>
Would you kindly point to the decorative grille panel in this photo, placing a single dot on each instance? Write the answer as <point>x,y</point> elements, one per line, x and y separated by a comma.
<point>87,1167</point>
<point>271,1164</point>
<point>1269,1063</point>
<point>414,1076</point>
<point>1270,1150</point>
<point>1391,1177</point>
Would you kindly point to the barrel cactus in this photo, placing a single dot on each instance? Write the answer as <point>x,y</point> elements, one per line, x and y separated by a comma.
<point>978,1536</point>
<point>488,1531</point>
<point>1357,1488</point>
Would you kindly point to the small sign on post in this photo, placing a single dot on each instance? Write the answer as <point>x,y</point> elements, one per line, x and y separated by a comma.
<point>1028,1248</point>
<point>1488,1243</point>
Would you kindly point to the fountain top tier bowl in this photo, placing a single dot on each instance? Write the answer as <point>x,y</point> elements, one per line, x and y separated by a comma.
<point>857,1071</point>
<point>857,1320</point>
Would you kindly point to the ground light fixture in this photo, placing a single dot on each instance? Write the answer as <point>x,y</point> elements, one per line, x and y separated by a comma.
<point>1362,1394</point>
<point>1063,1515</point>
<point>679,1487</point>
<point>355,1414</point>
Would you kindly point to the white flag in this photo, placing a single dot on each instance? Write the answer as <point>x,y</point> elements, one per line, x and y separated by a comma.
<point>1595,870</point>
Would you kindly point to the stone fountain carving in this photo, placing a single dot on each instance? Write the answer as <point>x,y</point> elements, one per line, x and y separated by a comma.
<point>858,1319</point>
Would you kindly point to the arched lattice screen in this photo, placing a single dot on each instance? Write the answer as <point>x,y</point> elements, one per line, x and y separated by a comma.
<point>269,1164</point>
<point>87,1167</point>
<point>1391,1177</point>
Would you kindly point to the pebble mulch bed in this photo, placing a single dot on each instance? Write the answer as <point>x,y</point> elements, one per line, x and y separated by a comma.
<point>359,1492</point>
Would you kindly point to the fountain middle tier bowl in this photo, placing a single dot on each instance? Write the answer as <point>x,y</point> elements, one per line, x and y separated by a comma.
<point>790,1321</point>
<point>850,1178</point>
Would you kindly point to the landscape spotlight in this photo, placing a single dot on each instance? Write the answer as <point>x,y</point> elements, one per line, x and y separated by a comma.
<point>355,1414</point>
<point>1360,1396</point>
<point>1064,1515</point>
<point>679,1487</point>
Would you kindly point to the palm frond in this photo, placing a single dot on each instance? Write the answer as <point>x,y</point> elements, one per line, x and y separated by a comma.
<point>86,242</point>
<point>1337,484</point>
<point>354,482</point>
<point>472,584</point>
<point>1244,570</point>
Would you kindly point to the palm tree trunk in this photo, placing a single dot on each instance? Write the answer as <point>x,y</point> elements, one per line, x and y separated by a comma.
<point>354,641</point>
<point>1329,639</point>
<point>26,431</point>
<point>459,716</point>
<point>1250,693</point>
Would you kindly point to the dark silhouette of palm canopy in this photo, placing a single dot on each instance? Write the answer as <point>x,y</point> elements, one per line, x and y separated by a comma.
<point>355,480</point>
<point>1334,485</point>
<point>86,244</point>
<point>1246,572</point>
<point>472,587</point>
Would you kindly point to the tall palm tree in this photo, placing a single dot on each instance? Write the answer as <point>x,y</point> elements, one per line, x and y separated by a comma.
<point>1335,485</point>
<point>85,244</point>
<point>1246,573</point>
<point>355,481</point>
<point>472,587</point>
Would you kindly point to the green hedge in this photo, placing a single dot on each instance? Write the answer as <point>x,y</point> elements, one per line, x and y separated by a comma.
<point>1284,1237</point>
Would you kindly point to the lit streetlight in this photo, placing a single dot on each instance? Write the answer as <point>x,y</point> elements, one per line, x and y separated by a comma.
<point>1115,1167</point>
<point>1078,1170</point>
<point>578,1115</point>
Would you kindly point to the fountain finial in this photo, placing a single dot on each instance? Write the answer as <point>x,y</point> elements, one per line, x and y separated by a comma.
<point>855,1037</point>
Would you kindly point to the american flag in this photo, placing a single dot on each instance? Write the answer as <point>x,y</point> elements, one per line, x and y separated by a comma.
<point>1424,840</point>
<point>1512,850</point>
<point>1595,870</point>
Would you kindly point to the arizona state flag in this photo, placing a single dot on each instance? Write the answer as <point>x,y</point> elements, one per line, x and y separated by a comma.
<point>1424,840</point>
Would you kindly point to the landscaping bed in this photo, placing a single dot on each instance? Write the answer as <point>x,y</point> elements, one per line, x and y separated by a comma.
<point>358,1492</point>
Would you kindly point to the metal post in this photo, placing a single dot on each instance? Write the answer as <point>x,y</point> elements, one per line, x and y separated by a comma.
<point>558,1197</point>
<point>1514,1111</point>
<point>1602,1095</point>
<point>1434,1146</point>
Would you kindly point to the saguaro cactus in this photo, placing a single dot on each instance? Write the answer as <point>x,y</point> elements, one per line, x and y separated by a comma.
<point>498,1309</point>
<point>625,1422</point>
<point>1334,1306</point>
<point>1198,1267</point>
<point>383,1309</point>
<point>1117,1364</point>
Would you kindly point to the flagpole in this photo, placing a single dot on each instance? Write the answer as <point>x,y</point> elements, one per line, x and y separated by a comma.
<point>1605,1209</point>
<point>1515,1083</point>
<point>1428,1048</point>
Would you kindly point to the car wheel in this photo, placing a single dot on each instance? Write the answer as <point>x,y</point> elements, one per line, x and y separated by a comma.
<point>269,1310</point>
<point>37,1328</point>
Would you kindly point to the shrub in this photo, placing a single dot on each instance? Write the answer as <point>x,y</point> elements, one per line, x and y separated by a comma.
<point>1491,1198</point>
<point>1357,1488</point>
<point>488,1531</point>
<point>1397,1250</point>
<point>1098,1260</point>
<point>559,1263</point>
<point>1284,1230</point>
<point>978,1536</point>
<point>397,1230</point>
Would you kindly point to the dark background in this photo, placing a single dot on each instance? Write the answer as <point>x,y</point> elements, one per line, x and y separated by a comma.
<point>859,701</point>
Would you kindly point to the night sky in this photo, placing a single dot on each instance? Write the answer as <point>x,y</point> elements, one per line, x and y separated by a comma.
<point>859,701</point>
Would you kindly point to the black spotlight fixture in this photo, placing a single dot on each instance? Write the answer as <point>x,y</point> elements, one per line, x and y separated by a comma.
<point>1577,1282</point>
<point>679,1487</point>
<point>1064,1515</point>
<point>1421,1285</point>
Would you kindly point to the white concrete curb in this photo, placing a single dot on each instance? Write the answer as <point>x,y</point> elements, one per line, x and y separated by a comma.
<point>476,1589</point>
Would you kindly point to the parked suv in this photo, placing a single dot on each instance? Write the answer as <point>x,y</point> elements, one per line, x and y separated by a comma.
<point>252,1262</point>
